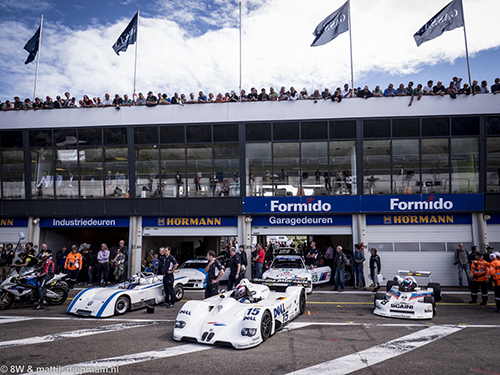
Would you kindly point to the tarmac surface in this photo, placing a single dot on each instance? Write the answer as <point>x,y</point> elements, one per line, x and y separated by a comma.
<point>338,334</point>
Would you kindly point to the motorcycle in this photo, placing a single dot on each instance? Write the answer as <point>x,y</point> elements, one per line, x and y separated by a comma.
<point>20,288</point>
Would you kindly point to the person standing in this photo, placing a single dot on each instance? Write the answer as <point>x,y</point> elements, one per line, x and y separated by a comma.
<point>480,277</point>
<point>312,255</point>
<point>88,263</point>
<point>375,267</point>
<point>61,258</point>
<point>119,262</point>
<point>234,269</point>
<point>103,264</point>
<point>494,273</point>
<point>340,263</point>
<point>73,265</point>
<point>359,259</point>
<point>168,277</point>
<point>462,259</point>
<point>214,271</point>
<point>47,269</point>
<point>161,260</point>
<point>259,261</point>
<point>124,250</point>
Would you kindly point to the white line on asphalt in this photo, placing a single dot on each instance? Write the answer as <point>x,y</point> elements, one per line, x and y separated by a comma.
<point>90,319</point>
<point>380,353</point>
<point>115,362</point>
<point>12,319</point>
<point>73,334</point>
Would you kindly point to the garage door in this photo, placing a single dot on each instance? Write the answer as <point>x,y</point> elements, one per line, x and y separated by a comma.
<point>422,247</point>
<point>11,234</point>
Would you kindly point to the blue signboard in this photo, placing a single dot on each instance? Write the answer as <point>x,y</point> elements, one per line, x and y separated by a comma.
<point>190,221</point>
<point>419,219</point>
<point>494,219</point>
<point>266,221</point>
<point>11,222</point>
<point>364,204</point>
<point>84,222</point>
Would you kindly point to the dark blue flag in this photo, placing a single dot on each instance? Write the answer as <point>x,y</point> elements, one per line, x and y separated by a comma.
<point>129,36</point>
<point>32,46</point>
<point>333,25</point>
<point>449,18</point>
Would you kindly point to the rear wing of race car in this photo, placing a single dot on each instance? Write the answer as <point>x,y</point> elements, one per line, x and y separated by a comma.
<point>283,282</point>
<point>404,273</point>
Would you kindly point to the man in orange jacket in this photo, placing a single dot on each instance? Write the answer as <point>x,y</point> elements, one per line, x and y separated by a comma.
<point>480,277</point>
<point>494,273</point>
<point>72,265</point>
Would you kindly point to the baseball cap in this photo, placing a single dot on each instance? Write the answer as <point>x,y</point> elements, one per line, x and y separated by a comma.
<point>489,248</point>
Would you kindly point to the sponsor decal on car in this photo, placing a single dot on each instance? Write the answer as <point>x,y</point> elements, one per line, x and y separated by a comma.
<point>186,312</point>
<point>217,324</point>
<point>401,306</point>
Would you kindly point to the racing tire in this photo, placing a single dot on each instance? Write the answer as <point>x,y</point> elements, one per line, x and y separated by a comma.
<point>266,325</point>
<point>6,300</point>
<point>437,290</point>
<point>433,302</point>
<point>347,276</point>
<point>122,305</point>
<point>179,292</point>
<point>64,284</point>
<point>390,284</point>
<point>61,292</point>
<point>302,302</point>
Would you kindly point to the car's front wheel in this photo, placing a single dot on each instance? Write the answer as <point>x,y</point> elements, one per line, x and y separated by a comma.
<point>179,292</point>
<point>432,301</point>
<point>122,305</point>
<point>266,325</point>
<point>302,302</point>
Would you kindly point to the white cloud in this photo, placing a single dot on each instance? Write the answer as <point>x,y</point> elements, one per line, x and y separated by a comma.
<point>276,47</point>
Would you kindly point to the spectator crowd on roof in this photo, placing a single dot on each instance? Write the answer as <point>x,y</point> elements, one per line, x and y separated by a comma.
<point>439,89</point>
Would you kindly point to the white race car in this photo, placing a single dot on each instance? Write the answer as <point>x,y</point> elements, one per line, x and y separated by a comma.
<point>142,290</point>
<point>405,299</point>
<point>193,271</point>
<point>241,318</point>
<point>288,269</point>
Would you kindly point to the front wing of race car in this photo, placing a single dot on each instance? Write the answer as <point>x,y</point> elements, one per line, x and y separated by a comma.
<point>223,320</point>
<point>405,305</point>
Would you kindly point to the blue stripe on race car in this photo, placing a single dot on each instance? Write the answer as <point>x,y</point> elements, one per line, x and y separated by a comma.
<point>151,286</point>
<point>105,304</point>
<point>414,295</point>
<point>75,300</point>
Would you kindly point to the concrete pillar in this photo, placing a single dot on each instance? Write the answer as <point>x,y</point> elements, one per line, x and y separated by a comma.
<point>479,231</point>
<point>135,244</point>
<point>246,224</point>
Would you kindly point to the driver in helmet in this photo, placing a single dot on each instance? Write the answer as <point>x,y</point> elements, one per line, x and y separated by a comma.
<point>408,284</point>
<point>46,267</point>
<point>241,293</point>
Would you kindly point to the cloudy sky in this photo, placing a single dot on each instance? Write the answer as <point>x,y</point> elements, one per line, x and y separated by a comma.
<point>187,45</point>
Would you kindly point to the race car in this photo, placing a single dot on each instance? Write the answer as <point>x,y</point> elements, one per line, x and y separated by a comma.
<point>241,318</point>
<point>141,290</point>
<point>405,299</point>
<point>194,272</point>
<point>286,270</point>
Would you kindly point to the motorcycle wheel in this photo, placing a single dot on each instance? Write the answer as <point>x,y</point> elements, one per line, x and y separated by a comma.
<point>6,300</point>
<point>63,295</point>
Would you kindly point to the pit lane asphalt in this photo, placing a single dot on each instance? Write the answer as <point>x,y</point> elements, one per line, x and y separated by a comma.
<point>335,326</point>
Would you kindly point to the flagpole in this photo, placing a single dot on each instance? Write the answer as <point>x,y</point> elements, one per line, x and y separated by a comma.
<point>240,53</point>
<point>38,57</point>
<point>466,47</point>
<point>136,46</point>
<point>350,43</point>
